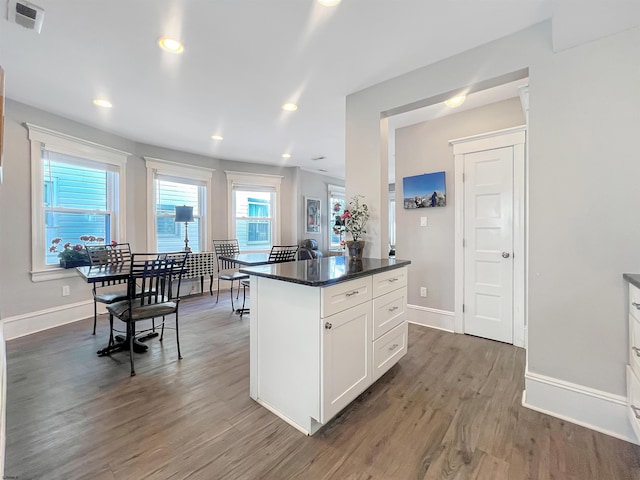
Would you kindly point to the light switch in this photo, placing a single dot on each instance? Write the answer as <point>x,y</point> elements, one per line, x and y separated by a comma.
<point>423,221</point>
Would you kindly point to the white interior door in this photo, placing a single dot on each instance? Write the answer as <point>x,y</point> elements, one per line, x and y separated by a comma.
<point>488,244</point>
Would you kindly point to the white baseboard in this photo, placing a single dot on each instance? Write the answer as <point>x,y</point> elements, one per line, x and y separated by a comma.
<point>3,399</point>
<point>600,411</point>
<point>431,317</point>
<point>33,322</point>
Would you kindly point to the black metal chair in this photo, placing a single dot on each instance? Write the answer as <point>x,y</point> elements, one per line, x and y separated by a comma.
<point>150,294</point>
<point>309,249</point>
<point>107,256</point>
<point>278,254</point>
<point>228,270</point>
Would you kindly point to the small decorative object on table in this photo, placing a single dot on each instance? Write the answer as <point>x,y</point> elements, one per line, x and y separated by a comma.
<point>73,255</point>
<point>355,218</point>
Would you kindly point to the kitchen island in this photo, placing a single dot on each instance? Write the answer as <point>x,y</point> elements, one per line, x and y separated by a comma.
<point>322,331</point>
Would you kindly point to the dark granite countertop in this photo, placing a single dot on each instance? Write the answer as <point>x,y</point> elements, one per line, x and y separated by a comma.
<point>632,278</point>
<point>325,270</point>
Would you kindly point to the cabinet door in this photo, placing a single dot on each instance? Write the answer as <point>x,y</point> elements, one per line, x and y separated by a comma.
<point>346,358</point>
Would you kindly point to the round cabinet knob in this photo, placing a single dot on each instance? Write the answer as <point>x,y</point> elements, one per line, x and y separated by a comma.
<point>328,326</point>
<point>505,255</point>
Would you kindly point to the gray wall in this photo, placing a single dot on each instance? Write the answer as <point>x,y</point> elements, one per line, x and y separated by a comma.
<point>424,148</point>
<point>18,294</point>
<point>317,186</point>
<point>583,186</point>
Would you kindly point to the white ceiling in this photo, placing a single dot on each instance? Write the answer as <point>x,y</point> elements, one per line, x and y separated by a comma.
<point>242,60</point>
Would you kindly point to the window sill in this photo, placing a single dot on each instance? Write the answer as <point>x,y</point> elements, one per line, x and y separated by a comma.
<point>54,273</point>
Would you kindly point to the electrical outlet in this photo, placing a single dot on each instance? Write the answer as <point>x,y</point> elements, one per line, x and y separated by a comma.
<point>423,221</point>
<point>423,291</point>
<point>66,290</point>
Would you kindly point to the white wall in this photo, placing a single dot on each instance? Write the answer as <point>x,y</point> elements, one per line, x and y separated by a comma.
<point>26,306</point>
<point>424,148</point>
<point>583,184</point>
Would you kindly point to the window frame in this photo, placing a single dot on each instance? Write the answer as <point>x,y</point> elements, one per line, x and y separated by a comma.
<point>58,142</point>
<point>254,181</point>
<point>333,191</point>
<point>157,166</point>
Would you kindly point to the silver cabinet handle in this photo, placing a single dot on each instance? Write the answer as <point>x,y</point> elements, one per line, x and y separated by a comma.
<point>393,309</point>
<point>328,326</point>
<point>350,294</point>
<point>637,350</point>
<point>505,255</point>
<point>636,411</point>
<point>393,347</point>
<point>637,305</point>
<point>394,279</point>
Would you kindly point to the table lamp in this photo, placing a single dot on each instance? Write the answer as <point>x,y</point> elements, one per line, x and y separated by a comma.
<point>185,214</point>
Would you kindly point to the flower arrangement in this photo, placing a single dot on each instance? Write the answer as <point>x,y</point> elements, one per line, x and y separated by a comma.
<point>73,253</point>
<point>355,217</point>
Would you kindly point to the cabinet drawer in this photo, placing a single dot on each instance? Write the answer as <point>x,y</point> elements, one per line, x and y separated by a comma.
<point>388,349</point>
<point>634,301</point>
<point>341,296</point>
<point>634,344</point>
<point>388,311</point>
<point>633,394</point>
<point>388,281</point>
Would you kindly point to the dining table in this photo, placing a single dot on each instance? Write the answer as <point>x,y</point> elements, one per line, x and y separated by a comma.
<point>112,272</point>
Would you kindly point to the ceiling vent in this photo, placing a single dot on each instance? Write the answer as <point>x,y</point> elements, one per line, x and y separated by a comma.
<point>26,14</point>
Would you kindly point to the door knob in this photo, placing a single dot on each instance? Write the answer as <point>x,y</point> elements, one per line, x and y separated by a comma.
<point>505,254</point>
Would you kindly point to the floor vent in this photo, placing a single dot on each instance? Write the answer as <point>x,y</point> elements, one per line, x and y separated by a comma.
<point>26,14</point>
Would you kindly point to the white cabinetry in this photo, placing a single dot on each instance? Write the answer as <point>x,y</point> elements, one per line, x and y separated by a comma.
<point>633,369</point>
<point>315,349</point>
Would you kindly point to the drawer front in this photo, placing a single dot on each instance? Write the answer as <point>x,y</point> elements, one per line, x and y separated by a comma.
<point>634,344</point>
<point>388,281</point>
<point>633,395</point>
<point>388,311</point>
<point>388,349</point>
<point>634,301</point>
<point>341,296</point>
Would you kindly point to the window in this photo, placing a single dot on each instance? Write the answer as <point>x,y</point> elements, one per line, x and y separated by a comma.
<point>173,184</point>
<point>77,196</point>
<point>254,206</point>
<point>336,208</point>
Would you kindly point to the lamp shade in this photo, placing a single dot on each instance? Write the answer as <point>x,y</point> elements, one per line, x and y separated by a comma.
<point>184,214</point>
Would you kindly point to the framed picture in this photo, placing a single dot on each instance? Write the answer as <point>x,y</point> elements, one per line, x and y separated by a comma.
<point>424,191</point>
<point>312,212</point>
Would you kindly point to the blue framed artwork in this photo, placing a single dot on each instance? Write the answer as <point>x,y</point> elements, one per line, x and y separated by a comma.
<point>424,191</point>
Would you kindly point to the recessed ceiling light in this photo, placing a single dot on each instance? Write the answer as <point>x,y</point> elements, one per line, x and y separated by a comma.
<point>170,45</point>
<point>329,3</point>
<point>101,102</point>
<point>286,155</point>
<point>454,102</point>
<point>290,107</point>
<point>217,136</point>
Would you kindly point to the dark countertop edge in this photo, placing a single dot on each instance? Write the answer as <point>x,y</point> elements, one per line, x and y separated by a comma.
<point>372,271</point>
<point>632,278</point>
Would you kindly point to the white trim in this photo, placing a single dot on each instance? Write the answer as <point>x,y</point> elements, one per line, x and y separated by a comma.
<point>193,172</point>
<point>67,144</point>
<point>509,137</point>
<point>3,400</point>
<point>600,411</point>
<point>32,322</point>
<point>431,317</point>
<point>53,273</point>
<point>245,179</point>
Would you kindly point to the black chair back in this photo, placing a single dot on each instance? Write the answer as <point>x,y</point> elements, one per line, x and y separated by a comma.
<point>283,253</point>
<point>154,277</point>
<point>226,248</point>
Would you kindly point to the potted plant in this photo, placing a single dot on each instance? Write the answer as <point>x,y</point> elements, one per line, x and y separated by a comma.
<point>355,218</point>
<point>73,255</point>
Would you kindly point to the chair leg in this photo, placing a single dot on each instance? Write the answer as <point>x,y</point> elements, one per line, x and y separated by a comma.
<point>178,337</point>
<point>244,299</point>
<point>162,330</point>
<point>111,339</point>
<point>95,315</point>
<point>218,294</point>
<point>233,309</point>
<point>211,285</point>
<point>153,324</point>
<point>131,335</point>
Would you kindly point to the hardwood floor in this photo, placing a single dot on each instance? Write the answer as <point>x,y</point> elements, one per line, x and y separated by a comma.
<point>449,410</point>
